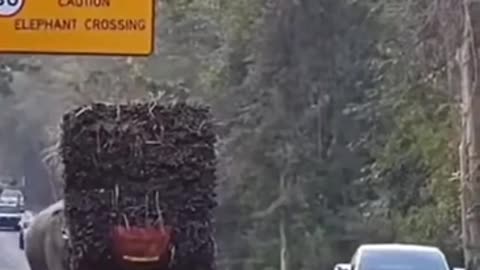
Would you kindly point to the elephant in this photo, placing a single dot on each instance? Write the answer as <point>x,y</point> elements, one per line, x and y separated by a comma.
<point>46,239</point>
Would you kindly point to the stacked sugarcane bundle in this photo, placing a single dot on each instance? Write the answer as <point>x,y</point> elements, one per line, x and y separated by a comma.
<point>139,164</point>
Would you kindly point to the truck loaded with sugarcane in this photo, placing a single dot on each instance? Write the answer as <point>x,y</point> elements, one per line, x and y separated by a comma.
<point>139,190</point>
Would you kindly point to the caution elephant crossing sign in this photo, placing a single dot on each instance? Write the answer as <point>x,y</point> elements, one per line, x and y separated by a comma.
<point>113,27</point>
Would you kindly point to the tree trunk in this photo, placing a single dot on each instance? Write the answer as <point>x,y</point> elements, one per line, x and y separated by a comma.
<point>470,144</point>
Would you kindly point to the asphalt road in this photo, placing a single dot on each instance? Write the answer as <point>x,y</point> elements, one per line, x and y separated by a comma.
<point>11,257</point>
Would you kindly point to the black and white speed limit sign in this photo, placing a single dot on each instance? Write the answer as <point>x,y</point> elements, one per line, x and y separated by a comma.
<point>10,7</point>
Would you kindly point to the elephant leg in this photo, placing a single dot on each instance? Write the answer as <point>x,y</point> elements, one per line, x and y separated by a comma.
<point>35,257</point>
<point>54,248</point>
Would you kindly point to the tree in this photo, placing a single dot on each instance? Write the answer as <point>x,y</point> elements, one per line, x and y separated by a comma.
<point>470,144</point>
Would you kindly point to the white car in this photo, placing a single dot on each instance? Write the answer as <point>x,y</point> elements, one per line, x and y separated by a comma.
<point>397,256</point>
<point>12,197</point>
<point>10,216</point>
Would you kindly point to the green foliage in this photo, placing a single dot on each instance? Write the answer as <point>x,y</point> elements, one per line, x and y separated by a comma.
<point>416,164</point>
<point>414,143</point>
<point>363,132</point>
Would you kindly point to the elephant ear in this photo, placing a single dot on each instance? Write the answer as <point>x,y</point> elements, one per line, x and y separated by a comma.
<point>59,215</point>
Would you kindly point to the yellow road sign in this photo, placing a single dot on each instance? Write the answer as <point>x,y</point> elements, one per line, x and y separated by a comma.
<point>111,27</point>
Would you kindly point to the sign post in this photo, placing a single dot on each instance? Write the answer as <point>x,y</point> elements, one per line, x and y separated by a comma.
<point>90,27</point>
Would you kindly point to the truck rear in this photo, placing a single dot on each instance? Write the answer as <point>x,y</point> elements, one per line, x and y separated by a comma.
<point>139,186</point>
